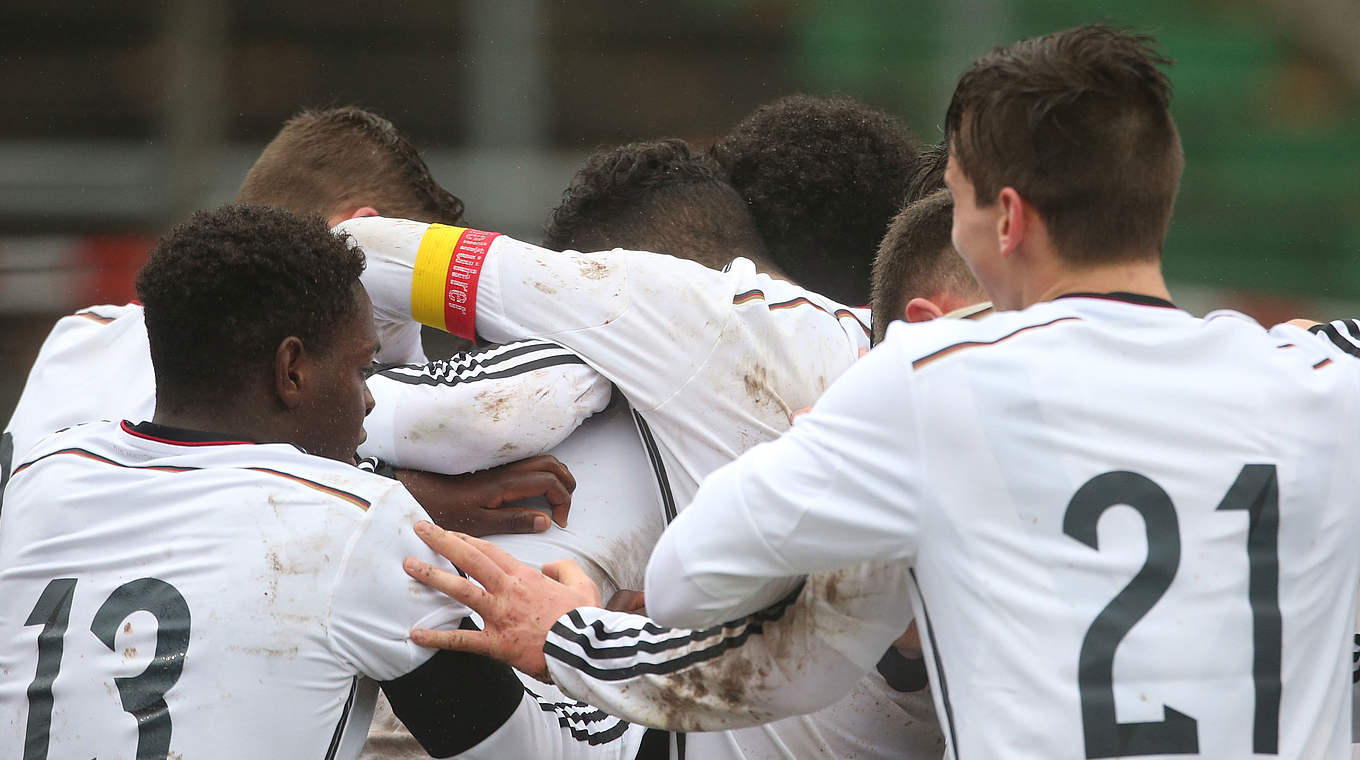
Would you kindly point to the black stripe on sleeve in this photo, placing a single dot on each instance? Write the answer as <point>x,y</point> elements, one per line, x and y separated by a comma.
<point>1334,335</point>
<point>428,377</point>
<point>344,718</point>
<point>575,723</point>
<point>454,701</point>
<point>749,626</point>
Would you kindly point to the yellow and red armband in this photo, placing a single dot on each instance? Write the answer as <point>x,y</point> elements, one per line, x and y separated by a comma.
<point>444,284</point>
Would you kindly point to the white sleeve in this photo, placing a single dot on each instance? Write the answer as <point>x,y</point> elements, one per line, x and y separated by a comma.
<point>480,409</point>
<point>547,723</point>
<point>1342,333</point>
<point>375,604</point>
<point>795,657</point>
<point>843,486</point>
<point>617,304</point>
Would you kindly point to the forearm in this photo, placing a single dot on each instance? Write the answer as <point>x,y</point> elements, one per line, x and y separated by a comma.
<point>795,657</point>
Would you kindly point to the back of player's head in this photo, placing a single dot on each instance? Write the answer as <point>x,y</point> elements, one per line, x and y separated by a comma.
<point>917,259</point>
<point>823,177</point>
<point>1078,123</point>
<point>334,161</point>
<point>223,289</point>
<point>929,175</point>
<point>654,196</point>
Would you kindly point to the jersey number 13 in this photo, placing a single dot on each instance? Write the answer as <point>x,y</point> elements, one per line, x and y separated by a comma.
<point>143,695</point>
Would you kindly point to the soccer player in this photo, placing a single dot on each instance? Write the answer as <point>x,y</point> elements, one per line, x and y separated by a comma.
<point>339,163</point>
<point>661,196</point>
<point>823,178</point>
<point>1165,512</point>
<point>200,585</point>
<point>918,276</point>
<point>1156,549</point>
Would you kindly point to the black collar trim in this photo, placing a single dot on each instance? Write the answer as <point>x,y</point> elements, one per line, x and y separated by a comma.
<point>179,436</point>
<point>1133,298</point>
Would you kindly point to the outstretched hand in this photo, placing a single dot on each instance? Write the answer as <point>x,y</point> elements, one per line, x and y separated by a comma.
<point>518,604</point>
<point>472,503</point>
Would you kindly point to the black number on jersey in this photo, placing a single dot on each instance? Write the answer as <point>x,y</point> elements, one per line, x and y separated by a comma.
<point>143,695</point>
<point>1255,491</point>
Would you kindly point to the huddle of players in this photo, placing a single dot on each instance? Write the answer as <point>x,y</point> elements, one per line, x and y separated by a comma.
<point>762,349</point>
<point>212,260</point>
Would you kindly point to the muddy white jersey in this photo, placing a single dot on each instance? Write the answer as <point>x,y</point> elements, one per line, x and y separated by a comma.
<point>1129,531</point>
<point>165,593</point>
<point>96,365</point>
<point>714,362</point>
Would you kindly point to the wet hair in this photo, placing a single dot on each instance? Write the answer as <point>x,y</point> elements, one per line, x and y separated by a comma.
<point>328,161</point>
<point>656,196</point>
<point>823,177</point>
<point>917,259</point>
<point>1078,123</point>
<point>223,289</point>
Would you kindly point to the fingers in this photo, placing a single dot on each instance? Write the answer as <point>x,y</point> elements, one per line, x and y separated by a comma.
<point>503,560</point>
<point>569,574</point>
<point>477,642</point>
<point>549,464</point>
<point>491,522</point>
<point>454,585</point>
<point>525,485</point>
<point>456,549</point>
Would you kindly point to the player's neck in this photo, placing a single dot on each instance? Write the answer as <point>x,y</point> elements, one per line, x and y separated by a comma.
<point>234,422</point>
<point>1137,277</point>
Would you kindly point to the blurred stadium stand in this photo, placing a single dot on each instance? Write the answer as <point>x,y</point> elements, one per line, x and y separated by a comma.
<point>124,117</point>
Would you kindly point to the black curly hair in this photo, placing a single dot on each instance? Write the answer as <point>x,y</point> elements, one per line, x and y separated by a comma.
<point>222,290</point>
<point>654,196</point>
<point>823,178</point>
<point>323,161</point>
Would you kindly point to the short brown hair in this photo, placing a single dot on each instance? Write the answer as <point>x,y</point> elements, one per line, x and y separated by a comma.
<point>916,258</point>
<point>323,161</point>
<point>1078,122</point>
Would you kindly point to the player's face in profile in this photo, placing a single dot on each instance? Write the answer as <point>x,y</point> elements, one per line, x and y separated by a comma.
<point>340,401</point>
<point>974,233</point>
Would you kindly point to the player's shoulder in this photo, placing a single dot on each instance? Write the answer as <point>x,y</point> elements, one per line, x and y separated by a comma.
<point>920,343</point>
<point>94,322</point>
<point>288,473</point>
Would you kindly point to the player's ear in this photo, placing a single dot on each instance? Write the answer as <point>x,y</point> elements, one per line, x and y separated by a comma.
<point>922,310</point>
<point>290,372</point>
<point>1013,222</point>
<point>345,214</point>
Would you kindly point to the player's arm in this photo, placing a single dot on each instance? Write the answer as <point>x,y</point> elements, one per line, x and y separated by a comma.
<point>797,656</point>
<point>659,317</point>
<point>452,703</point>
<point>838,489</point>
<point>1342,333</point>
<point>480,409</point>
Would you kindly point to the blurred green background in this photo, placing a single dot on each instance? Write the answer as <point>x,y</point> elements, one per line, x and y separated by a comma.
<point>122,118</point>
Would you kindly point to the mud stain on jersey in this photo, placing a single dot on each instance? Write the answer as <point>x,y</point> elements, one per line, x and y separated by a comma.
<point>593,270</point>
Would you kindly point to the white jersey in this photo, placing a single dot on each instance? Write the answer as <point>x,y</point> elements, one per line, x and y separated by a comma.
<point>795,657</point>
<point>96,365</point>
<point>713,362</point>
<point>163,593</point>
<point>1147,546</point>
